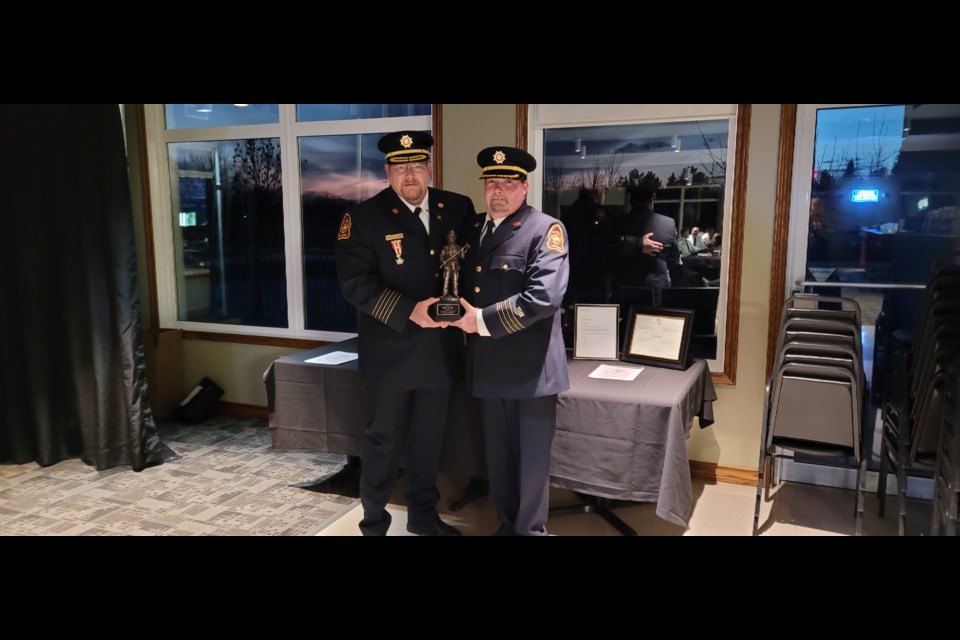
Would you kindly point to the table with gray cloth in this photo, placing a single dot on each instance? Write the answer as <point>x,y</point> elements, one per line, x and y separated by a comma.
<point>626,440</point>
<point>319,407</point>
<point>615,439</point>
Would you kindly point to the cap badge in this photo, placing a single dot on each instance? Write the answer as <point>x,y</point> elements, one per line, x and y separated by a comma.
<point>406,142</point>
<point>499,157</point>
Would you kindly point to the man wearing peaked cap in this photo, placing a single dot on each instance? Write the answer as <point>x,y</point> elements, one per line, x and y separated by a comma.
<point>505,162</point>
<point>402,147</point>
<point>512,290</point>
<point>387,257</point>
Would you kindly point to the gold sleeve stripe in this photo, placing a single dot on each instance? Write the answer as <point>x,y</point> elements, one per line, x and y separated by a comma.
<point>512,315</point>
<point>501,318</point>
<point>375,312</point>
<point>393,304</point>
<point>507,319</point>
<point>380,308</point>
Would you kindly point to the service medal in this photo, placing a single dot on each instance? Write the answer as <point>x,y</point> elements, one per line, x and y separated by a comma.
<point>398,249</point>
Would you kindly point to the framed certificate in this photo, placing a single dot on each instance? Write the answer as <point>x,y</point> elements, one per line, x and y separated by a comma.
<point>595,331</point>
<point>658,337</point>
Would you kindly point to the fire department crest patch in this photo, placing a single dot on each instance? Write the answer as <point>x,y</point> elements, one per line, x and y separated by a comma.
<point>344,227</point>
<point>555,238</point>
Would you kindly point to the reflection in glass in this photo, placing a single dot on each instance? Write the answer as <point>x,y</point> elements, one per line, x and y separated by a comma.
<point>884,205</point>
<point>685,165</point>
<point>885,193</point>
<point>336,172</point>
<point>316,112</point>
<point>194,116</point>
<point>228,232</point>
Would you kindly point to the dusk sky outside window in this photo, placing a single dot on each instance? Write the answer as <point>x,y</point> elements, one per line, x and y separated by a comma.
<point>229,216</point>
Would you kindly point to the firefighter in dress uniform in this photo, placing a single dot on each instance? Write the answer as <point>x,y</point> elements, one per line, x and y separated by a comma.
<point>387,258</point>
<point>513,285</point>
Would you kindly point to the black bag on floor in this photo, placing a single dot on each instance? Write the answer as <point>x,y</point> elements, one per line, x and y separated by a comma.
<point>200,403</point>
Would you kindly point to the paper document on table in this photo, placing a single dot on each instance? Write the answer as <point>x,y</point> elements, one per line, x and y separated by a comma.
<point>606,372</point>
<point>334,357</point>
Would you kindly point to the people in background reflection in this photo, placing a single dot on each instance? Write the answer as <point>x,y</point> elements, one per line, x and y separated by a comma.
<point>649,245</point>
<point>818,242</point>
<point>586,222</point>
<point>695,240</point>
<point>684,244</point>
<point>707,238</point>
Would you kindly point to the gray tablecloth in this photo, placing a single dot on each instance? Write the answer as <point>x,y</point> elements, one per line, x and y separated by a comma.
<point>316,407</point>
<point>615,439</point>
<point>627,440</point>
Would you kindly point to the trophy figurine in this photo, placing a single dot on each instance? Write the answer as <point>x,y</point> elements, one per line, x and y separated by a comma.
<point>448,308</point>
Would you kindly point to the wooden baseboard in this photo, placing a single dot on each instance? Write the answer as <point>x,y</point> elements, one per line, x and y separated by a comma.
<point>715,473</point>
<point>238,410</point>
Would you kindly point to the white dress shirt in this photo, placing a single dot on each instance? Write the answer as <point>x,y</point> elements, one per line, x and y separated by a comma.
<point>424,212</point>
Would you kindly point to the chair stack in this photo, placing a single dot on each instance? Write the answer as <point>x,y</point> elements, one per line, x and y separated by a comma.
<point>814,398</point>
<point>913,399</point>
<point>946,477</point>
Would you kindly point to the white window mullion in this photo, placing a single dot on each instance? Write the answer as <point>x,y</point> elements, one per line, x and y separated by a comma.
<point>238,132</point>
<point>292,218</point>
<point>353,127</point>
<point>160,207</point>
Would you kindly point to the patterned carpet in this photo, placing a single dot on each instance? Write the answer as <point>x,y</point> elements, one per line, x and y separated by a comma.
<point>221,478</point>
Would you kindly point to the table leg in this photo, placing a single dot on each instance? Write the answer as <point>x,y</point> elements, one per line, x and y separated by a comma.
<point>600,506</point>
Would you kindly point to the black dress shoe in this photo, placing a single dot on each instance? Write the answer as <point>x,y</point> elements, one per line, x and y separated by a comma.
<point>438,528</point>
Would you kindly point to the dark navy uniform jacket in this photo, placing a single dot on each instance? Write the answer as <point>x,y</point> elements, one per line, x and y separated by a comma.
<point>518,279</point>
<point>385,265</point>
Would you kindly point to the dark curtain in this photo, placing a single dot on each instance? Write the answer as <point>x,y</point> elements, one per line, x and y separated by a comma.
<point>73,372</point>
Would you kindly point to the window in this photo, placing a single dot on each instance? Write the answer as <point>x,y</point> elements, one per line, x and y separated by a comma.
<point>246,202</point>
<point>687,156</point>
<point>876,200</point>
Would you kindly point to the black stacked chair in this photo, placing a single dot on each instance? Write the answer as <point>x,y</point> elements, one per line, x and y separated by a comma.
<point>946,477</point>
<point>814,398</point>
<point>913,397</point>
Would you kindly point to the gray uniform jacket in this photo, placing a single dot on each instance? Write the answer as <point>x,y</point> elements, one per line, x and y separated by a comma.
<point>518,278</point>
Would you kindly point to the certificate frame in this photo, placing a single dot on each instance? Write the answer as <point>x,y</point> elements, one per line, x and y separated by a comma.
<point>595,334</point>
<point>643,316</point>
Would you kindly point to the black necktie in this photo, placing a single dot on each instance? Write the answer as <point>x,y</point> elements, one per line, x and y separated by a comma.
<point>417,213</point>
<point>487,232</point>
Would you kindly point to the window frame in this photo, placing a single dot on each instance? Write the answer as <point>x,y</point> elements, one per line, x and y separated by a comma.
<point>532,119</point>
<point>164,253</point>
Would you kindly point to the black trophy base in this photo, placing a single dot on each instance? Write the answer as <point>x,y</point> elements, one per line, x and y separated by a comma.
<point>447,310</point>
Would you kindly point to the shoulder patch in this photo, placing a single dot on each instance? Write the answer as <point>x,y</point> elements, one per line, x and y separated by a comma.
<point>555,238</point>
<point>344,227</point>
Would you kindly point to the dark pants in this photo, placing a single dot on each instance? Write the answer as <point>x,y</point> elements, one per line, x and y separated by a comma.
<point>518,434</point>
<point>413,422</point>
